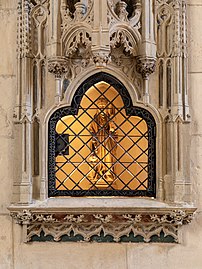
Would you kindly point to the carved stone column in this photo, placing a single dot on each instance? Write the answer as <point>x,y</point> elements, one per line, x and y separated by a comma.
<point>185,61</point>
<point>146,66</point>
<point>147,49</point>
<point>58,67</point>
<point>148,46</point>
<point>54,29</point>
<point>24,99</point>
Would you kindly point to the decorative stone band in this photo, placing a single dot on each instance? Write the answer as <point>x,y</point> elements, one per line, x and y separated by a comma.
<point>90,224</point>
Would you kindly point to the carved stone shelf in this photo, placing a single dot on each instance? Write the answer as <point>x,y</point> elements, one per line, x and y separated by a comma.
<point>87,218</point>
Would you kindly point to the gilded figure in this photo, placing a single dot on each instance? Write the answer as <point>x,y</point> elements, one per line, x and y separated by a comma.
<point>103,145</point>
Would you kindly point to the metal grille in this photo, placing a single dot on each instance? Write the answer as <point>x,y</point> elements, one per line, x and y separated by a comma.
<point>101,146</point>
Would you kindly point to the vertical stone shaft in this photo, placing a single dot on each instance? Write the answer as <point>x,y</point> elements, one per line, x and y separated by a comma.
<point>55,31</point>
<point>100,33</point>
<point>26,183</point>
<point>177,108</point>
<point>17,114</point>
<point>148,47</point>
<point>185,63</point>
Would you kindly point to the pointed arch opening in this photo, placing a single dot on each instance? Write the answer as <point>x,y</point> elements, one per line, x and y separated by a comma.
<point>101,145</point>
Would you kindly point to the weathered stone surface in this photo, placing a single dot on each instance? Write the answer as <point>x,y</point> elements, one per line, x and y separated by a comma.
<point>184,255</point>
<point>196,136</point>
<point>70,255</point>
<point>8,4</point>
<point>195,39</point>
<point>194,2</point>
<point>8,41</point>
<point>6,174</point>
<point>6,124</point>
<point>8,87</point>
<point>6,242</point>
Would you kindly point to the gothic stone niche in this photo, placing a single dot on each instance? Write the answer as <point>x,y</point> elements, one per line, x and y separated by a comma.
<point>88,168</point>
<point>74,40</point>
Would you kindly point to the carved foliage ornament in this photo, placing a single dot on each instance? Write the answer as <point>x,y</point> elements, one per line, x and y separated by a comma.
<point>146,66</point>
<point>80,42</point>
<point>115,225</point>
<point>58,66</point>
<point>122,37</point>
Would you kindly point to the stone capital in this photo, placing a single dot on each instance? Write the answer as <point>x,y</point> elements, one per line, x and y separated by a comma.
<point>57,66</point>
<point>146,66</point>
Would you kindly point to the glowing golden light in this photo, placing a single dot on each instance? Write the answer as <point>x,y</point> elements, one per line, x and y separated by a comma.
<point>107,149</point>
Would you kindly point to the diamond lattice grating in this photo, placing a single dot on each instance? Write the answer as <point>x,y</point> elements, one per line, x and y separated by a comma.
<point>101,149</point>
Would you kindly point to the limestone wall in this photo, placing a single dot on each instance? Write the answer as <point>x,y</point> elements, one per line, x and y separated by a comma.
<point>18,255</point>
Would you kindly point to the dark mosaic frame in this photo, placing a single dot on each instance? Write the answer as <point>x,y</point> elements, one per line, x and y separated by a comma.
<point>130,110</point>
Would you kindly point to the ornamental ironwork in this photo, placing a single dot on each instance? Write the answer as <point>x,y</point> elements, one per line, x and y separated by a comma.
<point>101,145</point>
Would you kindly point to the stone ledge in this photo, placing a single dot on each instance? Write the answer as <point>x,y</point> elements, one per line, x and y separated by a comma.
<point>92,221</point>
<point>102,204</point>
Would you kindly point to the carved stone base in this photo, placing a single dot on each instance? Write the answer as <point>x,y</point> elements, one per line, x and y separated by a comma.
<point>89,225</point>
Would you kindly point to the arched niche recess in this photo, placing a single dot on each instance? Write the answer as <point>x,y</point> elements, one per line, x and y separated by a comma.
<point>101,145</point>
<point>128,219</point>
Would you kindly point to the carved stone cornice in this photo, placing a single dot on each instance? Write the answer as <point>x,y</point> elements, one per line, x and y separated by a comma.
<point>57,66</point>
<point>92,224</point>
<point>146,66</point>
